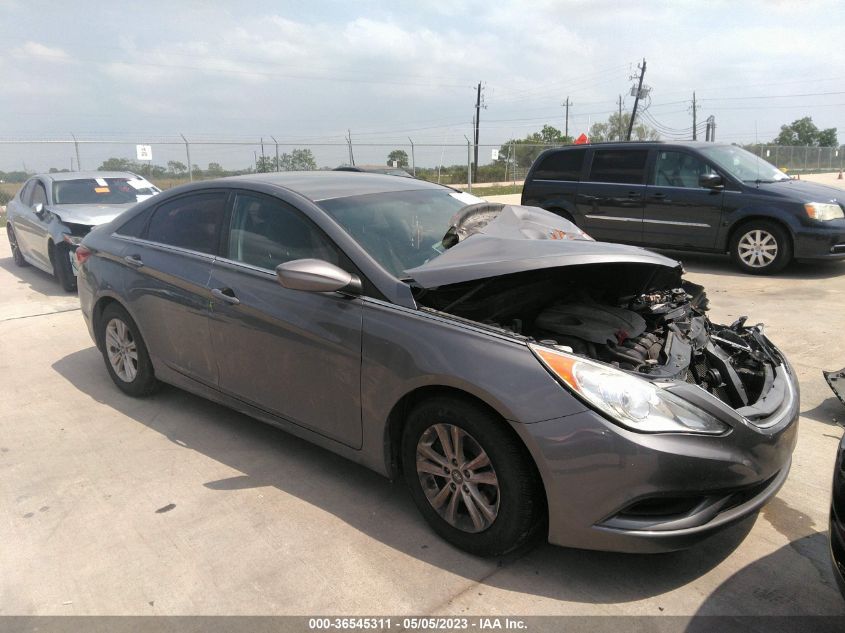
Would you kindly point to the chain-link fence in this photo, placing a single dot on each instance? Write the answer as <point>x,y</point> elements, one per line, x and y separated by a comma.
<point>174,160</point>
<point>800,159</point>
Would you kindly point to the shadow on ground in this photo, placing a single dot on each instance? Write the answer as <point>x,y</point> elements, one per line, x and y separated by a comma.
<point>37,280</point>
<point>367,502</point>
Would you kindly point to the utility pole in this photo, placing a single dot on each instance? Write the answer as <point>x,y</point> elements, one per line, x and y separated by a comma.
<point>413,160</point>
<point>187,151</point>
<point>620,117</point>
<point>263,159</point>
<point>349,143</point>
<point>636,100</point>
<point>277,152</point>
<point>477,121</point>
<point>566,105</point>
<point>694,111</point>
<point>76,145</point>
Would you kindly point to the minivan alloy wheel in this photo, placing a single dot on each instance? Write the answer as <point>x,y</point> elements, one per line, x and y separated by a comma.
<point>457,477</point>
<point>758,248</point>
<point>122,351</point>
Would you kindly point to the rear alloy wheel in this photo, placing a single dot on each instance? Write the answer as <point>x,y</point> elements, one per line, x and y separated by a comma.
<point>471,478</point>
<point>761,248</point>
<point>63,268</point>
<point>17,256</point>
<point>125,354</point>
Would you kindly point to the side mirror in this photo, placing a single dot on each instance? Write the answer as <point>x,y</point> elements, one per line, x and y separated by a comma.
<point>711,181</point>
<point>316,275</point>
<point>39,209</point>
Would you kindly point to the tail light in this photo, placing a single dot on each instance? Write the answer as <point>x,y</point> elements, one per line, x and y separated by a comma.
<point>82,255</point>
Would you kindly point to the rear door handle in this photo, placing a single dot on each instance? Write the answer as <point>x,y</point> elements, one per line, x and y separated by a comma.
<point>226,295</point>
<point>134,260</point>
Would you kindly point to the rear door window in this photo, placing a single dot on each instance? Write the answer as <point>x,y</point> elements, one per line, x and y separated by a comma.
<point>562,165</point>
<point>623,166</point>
<point>192,222</point>
<point>26,193</point>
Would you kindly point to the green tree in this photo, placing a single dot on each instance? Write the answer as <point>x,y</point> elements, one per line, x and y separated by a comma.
<point>215,170</point>
<point>616,129</point>
<point>398,155</point>
<point>525,150</point>
<point>298,160</point>
<point>177,168</point>
<point>265,164</point>
<point>805,133</point>
<point>119,164</point>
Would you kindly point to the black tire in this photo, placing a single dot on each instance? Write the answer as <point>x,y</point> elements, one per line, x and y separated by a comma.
<point>62,267</point>
<point>143,382</point>
<point>521,516</point>
<point>766,234</point>
<point>17,256</point>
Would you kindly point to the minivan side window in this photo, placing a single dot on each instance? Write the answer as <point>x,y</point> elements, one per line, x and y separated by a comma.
<point>562,165</point>
<point>192,222</point>
<point>623,166</point>
<point>679,169</point>
<point>266,232</point>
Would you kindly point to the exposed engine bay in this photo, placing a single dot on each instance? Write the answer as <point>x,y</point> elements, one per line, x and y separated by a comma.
<point>639,318</point>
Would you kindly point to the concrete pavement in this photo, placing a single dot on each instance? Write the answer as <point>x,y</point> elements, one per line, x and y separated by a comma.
<point>174,505</point>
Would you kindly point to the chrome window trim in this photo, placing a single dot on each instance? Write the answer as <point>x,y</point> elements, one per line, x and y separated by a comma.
<point>163,247</point>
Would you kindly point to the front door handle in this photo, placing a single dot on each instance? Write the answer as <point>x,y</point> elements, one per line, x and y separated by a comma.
<point>226,295</point>
<point>134,260</point>
<point>659,195</point>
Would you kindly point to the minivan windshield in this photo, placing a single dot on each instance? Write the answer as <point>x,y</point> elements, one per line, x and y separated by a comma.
<point>743,165</point>
<point>399,229</point>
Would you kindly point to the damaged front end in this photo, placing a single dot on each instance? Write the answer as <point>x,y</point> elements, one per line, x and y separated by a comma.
<point>538,277</point>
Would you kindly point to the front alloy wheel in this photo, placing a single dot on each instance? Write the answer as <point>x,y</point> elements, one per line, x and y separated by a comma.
<point>471,477</point>
<point>761,247</point>
<point>457,477</point>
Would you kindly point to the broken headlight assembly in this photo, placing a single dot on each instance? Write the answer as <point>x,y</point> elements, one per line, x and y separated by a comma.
<point>824,211</point>
<point>635,403</point>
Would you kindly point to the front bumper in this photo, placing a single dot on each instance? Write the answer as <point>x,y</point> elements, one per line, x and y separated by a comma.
<point>609,488</point>
<point>826,240</point>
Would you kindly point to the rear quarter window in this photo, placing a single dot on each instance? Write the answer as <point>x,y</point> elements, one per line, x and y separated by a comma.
<point>623,166</point>
<point>563,165</point>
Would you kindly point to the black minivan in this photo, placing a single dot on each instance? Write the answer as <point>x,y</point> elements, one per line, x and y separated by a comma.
<point>690,196</point>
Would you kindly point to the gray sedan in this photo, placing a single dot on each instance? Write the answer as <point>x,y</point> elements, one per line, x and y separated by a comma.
<point>526,381</point>
<point>51,213</point>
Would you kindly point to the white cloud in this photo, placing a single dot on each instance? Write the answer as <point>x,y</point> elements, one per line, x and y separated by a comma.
<point>35,49</point>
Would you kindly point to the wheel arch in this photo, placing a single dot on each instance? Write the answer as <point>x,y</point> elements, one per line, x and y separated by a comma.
<point>97,314</point>
<point>399,414</point>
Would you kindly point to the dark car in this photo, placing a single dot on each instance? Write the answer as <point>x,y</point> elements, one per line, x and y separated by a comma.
<point>837,518</point>
<point>691,196</point>
<point>376,169</point>
<point>524,379</point>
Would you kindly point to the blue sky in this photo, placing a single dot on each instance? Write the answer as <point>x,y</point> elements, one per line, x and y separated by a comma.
<point>307,72</point>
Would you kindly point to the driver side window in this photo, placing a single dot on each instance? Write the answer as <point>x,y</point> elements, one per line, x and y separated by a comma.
<point>679,169</point>
<point>265,232</point>
<point>39,194</point>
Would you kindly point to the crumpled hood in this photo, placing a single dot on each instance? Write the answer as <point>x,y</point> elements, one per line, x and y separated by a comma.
<point>520,239</point>
<point>90,214</point>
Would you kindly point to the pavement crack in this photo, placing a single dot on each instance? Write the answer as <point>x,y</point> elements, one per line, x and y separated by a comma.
<point>32,316</point>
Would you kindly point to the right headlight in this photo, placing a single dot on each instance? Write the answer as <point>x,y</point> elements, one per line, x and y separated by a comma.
<point>633,402</point>
<point>824,211</point>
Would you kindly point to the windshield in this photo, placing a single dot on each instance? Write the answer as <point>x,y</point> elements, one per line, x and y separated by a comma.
<point>102,191</point>
<point>399,229</point>
<point>743,165</point>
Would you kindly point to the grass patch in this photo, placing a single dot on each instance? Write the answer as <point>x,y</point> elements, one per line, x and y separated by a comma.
<point>498,190</point>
